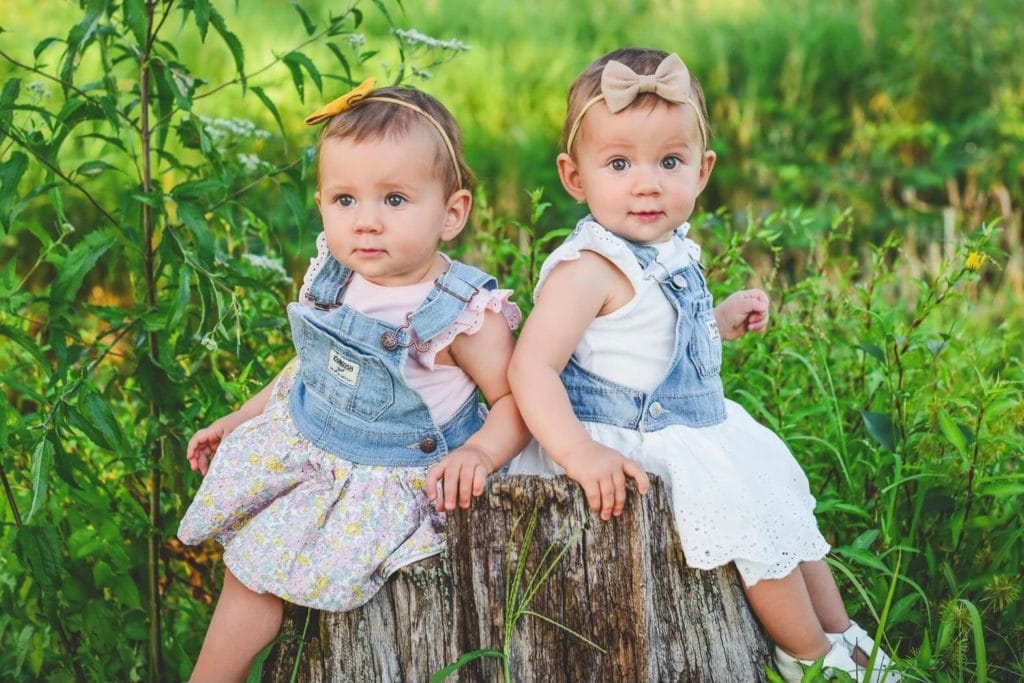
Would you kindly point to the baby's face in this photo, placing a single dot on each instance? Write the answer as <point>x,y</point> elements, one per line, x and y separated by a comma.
<point>640,170</point>
<point>384,208</point>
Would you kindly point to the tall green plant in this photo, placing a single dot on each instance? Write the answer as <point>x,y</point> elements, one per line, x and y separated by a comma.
<point>140,296</point>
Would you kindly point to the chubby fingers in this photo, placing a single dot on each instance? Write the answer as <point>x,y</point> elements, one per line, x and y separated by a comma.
<point>633,469</point>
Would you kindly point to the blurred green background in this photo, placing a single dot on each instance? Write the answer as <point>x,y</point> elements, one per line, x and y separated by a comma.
<point>869,176</point>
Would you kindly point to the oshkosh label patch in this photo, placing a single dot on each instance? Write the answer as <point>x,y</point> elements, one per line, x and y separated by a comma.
<point>343,368</point>
<point>712,330</point>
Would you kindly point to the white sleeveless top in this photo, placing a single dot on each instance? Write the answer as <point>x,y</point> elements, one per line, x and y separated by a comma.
<point>609,346</point>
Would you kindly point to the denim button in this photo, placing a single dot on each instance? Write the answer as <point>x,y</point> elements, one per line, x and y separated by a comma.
<point>656,410</point>
<point>428,445</point>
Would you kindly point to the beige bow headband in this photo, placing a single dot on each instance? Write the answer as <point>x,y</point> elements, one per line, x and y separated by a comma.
<point>620,85</point>
<point>364,93</point>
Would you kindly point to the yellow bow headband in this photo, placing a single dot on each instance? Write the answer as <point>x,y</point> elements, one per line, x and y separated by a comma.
<point>620,85</point>
<point>363,93</point>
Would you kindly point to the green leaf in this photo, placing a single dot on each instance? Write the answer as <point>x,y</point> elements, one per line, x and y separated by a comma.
<point>11,171</point>
<point>102,575</point>
<point>40,548</point>
<point>43,44</point>
<point>873,350</point>
<point>232,42</point>
<point>881,428</point>
<point>135,19</point>
<point>463,660</point>
<point>94,167</point>
<point>8,97</point>
<point>202,9</point>
<point>79,36</point>
<point>97,412</point>
<point>861,556</point>
<point>341,60</point>
<point>72,268</point>
<point>269,104</point>
<point>307,23</point>
<point>952,432</point>
<point>183,298</point>
<point>194,219</point>
<point>42,463</point>
<point>297,77</point>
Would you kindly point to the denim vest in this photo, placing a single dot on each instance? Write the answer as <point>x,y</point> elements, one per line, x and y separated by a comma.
<point>691,393</point>
<point>351,399</point>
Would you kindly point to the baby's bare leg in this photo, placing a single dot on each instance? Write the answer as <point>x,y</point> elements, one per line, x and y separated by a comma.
<point>783,606</point>
<point>828,604</point>
<point>244,621</point>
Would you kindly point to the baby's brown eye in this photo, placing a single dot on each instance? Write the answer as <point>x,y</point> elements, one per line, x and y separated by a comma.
<point>394,200</point>
<point>619,164</point>
<point>670,162</point>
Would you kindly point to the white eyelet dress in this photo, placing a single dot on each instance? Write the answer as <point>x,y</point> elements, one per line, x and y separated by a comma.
<point>738,495</point>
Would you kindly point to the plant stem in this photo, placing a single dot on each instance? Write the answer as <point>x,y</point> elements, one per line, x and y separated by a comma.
<point>152,544</point>
<point>10,496</point>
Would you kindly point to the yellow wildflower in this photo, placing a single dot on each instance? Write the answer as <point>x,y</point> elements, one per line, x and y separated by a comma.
<point>418,484</point>
<point>974,261</point>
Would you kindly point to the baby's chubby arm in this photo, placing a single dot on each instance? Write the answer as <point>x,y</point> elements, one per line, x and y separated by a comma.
<point>741,312</point>
<point>204,443</point>
<point>574,294</point>
<point>484,356</point>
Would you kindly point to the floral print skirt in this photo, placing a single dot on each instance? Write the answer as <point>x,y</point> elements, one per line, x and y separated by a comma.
<point>305,525</point>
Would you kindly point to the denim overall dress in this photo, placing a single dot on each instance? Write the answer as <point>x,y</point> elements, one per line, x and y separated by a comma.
<point>737,493</point>
<point>351,399</point>
<point>691,393</point>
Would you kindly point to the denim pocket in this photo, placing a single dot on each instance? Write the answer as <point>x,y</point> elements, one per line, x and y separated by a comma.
<point>705,346</point>
<point>347,379</point>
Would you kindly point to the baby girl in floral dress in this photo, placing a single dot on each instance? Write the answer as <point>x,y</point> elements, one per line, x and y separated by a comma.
<point>336,474</point>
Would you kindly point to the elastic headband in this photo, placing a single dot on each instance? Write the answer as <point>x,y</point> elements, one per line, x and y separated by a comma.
<point>362,93</point>
<point>620,85</point>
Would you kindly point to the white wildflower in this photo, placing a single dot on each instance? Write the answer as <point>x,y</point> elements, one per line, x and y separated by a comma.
<point>38,89</point>
<point>250,162</point>
<point>267,263</point>
<point>357,39</point>
<point>208,342</point>
<point>414,38</point>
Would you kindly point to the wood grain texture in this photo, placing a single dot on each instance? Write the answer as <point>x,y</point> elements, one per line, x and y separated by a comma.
<point>622,583</point>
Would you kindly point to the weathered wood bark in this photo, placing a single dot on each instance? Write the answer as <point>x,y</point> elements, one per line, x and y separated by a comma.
<point>622,584</point>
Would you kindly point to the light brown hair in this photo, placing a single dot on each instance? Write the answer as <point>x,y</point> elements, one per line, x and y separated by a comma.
<point>373,119</point>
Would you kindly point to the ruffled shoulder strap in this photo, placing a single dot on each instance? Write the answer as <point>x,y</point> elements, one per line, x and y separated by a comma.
<point>590,235</point>
<point>472,319</point>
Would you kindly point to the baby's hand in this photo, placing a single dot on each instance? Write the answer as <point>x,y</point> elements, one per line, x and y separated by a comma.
<point>602,472</point>
<point>203,443</point>
<point>742,312</point>
<point>461,474</point>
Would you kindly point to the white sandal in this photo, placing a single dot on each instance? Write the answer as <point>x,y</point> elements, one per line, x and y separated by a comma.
<point>856,638</point>
<point>836,659</point>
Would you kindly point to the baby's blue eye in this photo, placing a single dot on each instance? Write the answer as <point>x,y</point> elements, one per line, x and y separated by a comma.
<point>394,199</point>
<point>618,164</point>
<point>345,200</point>
<point>671,162</point>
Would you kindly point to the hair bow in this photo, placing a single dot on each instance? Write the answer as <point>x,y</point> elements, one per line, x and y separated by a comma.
<point>343,103</point>
<point>620,85</point>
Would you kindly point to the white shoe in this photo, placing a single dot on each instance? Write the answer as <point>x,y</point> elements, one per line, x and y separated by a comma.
<point>836,659</point>
<point>855,638</point>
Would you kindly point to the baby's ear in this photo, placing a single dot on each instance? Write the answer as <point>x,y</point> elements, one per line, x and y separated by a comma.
<point>570,176</point>
<point>456,214</point>
<point>706,166</point>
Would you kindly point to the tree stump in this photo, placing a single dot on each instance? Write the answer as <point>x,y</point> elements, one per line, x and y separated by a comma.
<point>622,584</point>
